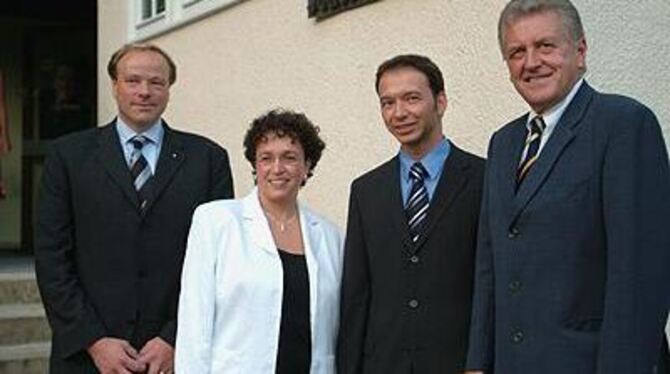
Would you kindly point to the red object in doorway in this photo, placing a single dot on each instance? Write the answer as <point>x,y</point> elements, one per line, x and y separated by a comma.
<point>5,145</point>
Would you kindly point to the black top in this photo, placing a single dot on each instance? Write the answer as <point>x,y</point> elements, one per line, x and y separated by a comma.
<point>295,344</point>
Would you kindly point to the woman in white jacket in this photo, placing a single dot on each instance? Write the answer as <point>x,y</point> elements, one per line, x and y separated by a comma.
<point>261,278</point>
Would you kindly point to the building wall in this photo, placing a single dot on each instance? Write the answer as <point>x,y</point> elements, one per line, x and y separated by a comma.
<point>261,54</point>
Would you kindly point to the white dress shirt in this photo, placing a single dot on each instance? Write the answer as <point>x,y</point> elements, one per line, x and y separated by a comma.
<point>550,118</point>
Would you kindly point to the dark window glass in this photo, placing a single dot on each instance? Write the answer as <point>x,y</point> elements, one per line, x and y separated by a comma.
<point>320,9</point>
<point>147,11</point>
<point>160,6</point>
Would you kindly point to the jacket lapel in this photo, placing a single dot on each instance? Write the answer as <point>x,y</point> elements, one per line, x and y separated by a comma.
<point>559,140</point>
<point>312,233</point>
<point>454,177</point>
<point>392,195</point>
<point>257,224</point>
<point>110,155</point>
<point>171,158</point>
<point>514,145</point>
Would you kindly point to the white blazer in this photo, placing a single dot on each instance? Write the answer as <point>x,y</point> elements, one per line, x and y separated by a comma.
<point>231,290</point>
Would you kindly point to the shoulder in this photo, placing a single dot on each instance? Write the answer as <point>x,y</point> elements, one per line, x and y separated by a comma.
<point>614,115</point>
<point>218,211</point>
<point>316,217</point>
<point>196,141</point>
<point>620,105</point>
<point>331,231</point>
<point>379,175</point>
<point>78,144</point>
<point>79,137</point>
<point>470,159</point>
<point>511,126</point>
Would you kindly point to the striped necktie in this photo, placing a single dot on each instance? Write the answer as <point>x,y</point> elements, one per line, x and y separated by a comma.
<point>139,169</point>
<point>417,203</point>
<point>533,147</point>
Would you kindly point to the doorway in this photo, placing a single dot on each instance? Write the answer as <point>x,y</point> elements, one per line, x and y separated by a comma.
<point>48,88</point>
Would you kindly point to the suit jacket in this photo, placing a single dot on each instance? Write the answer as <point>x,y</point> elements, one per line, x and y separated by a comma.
<point>572,270</point>
<point>104,267</point>
<point>231,302</point>
<point>406,307</point>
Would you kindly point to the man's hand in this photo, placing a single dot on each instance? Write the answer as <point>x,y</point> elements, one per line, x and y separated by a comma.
<point>115,356</point>
<point>473,372</point>
<point>158,356</point>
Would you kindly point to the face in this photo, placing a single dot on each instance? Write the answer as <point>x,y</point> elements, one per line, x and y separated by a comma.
<point>543,60</point>
<point>142,88</point>
<point>280,169</point>
<point>410,111</point>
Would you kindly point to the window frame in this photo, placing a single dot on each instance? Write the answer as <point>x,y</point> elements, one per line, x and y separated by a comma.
<point>177,13</point>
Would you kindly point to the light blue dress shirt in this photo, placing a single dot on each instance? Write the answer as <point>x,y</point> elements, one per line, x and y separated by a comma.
<point>151,149</point>
<point>433,162</point>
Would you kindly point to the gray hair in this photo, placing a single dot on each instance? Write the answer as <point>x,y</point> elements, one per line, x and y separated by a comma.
<point>515,9</point>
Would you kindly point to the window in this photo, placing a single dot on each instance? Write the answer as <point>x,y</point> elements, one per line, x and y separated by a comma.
<point>321,9</point>
<point>152,9</point>
<point>155,17</point>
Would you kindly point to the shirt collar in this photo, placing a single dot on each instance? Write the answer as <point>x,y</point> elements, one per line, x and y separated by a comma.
<point>553,115</point>
<point>432,161</point>
<point>154,132</point>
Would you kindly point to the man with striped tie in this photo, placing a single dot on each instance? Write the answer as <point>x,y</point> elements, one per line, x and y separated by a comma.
<point>409,249</point>
<point>114,212</point>
<point>574,243</point>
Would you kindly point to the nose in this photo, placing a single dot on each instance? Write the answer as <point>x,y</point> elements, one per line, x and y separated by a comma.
<point>531,59</point>
<point>277,165</point>
<point>143,88</point>
<point>399,110</point>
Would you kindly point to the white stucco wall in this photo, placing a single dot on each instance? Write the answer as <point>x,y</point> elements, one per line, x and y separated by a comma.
<point>262,54</point>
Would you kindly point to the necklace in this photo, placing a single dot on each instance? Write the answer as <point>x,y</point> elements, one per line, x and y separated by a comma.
<point>281,223</point>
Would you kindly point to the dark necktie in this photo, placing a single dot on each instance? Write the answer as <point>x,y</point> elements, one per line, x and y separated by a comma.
<point>417,203</point>
<point>533,145</point>
<point>139,169</point>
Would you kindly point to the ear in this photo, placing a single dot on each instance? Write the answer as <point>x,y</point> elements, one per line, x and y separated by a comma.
<point>308,167</point>
<point>581,53</point>
<point>115,88</point>
<point>441,103</point>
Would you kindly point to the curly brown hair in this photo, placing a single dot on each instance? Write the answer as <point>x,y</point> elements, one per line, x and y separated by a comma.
<point>285,123</point>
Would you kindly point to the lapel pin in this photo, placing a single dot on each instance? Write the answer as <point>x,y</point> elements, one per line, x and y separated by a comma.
<point>174,155</point>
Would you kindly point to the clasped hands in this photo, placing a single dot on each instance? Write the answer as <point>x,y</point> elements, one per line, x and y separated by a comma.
<point>117,356</point>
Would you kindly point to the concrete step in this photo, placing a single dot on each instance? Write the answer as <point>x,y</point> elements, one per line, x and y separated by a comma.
<point>22,324</point>
<point>19,288</point>
<point>30,358</point>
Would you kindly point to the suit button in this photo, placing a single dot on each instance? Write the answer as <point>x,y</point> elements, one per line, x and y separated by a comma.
<point>414,303</point>
<point>414,259</point>
<point>513,233</point>
<point>517,336</point>
<point>514,287</point>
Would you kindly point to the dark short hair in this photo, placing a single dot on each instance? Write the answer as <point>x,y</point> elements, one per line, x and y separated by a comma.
<point>140,47</point>
<point>285,123</point>
<point>421,63</point>
<point>516,9</point>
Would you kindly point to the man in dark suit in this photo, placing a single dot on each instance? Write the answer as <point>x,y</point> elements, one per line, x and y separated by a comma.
<point>409,249</point>
<point>574,244</point>
<point>115,209</point>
